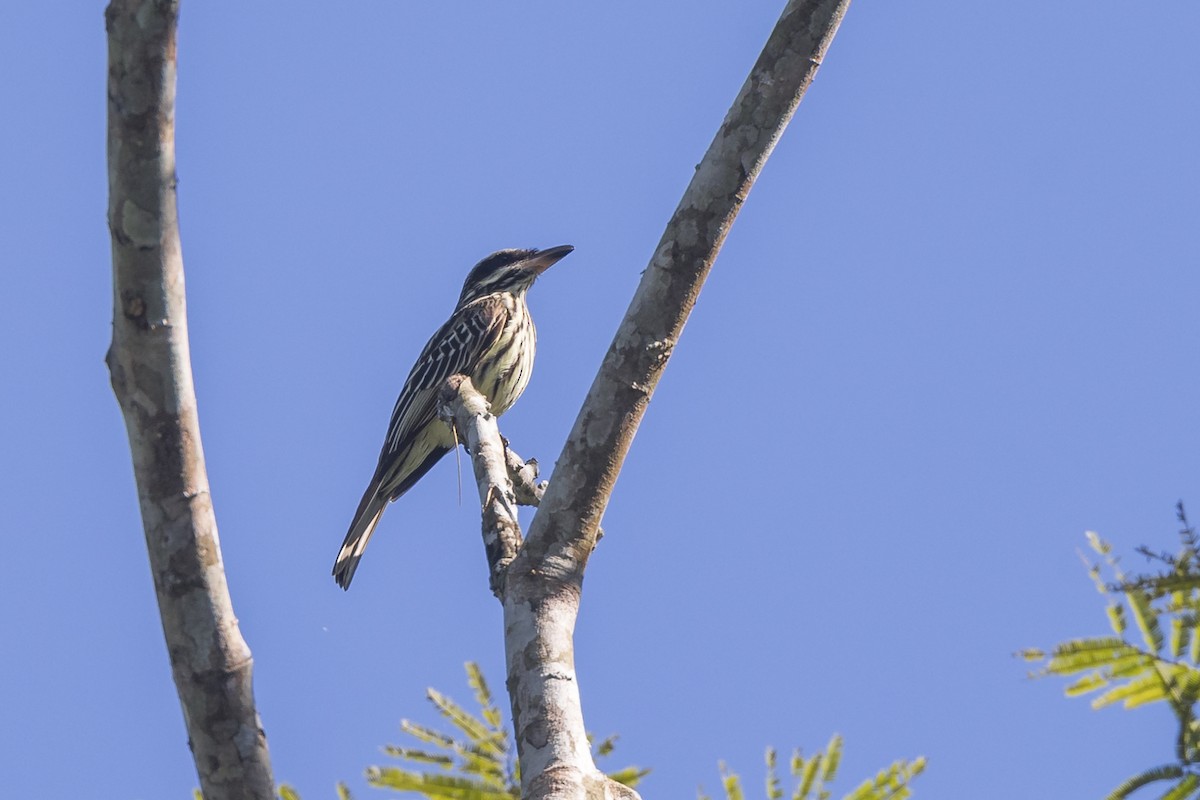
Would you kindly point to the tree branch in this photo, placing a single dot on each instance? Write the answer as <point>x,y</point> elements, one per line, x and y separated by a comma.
<point>466,410</point>
<point>543,584</point>
<point>150,368</point>
<point>563,532</point>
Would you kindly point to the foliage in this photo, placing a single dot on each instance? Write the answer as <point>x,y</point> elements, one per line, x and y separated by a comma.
<point>1160,662</point>
<point>286,792</point>
<point>812,775</point>
<point>477,762</point>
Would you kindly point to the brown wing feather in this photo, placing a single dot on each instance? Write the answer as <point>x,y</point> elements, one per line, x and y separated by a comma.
<point>413,443</point>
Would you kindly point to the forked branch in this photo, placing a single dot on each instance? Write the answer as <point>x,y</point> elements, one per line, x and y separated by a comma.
<point>542,585</point>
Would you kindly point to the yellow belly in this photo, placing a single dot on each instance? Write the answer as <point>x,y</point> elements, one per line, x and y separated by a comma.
<point>508,366</point>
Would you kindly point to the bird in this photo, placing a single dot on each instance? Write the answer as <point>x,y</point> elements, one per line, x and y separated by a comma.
<point>491,339</point>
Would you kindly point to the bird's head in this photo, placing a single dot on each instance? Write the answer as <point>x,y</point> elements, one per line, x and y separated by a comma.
<point>510,271</point>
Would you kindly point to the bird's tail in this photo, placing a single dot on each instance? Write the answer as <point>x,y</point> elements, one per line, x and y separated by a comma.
<point>365,519</point>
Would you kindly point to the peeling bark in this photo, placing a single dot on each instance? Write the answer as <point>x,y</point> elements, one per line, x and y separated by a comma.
<point>150,368</point>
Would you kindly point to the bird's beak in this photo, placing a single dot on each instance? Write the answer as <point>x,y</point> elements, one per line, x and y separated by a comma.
<point>543,260</point>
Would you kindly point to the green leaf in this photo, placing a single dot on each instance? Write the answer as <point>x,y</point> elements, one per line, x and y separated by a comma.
<point>1116,618</point>
<point>833,757</point>
<point>1099,545</point>
<point>891,783</point>
<point>1087,654</point>
<point>732,784</point>
<point>1181,608</point>
<point>1144,690</point>
<point>428,735</point>
<point>420,756</point>
<point>474,728</point>
<point>1163,773</point>
<point>1180,633</point>
<point>435,787</point>
<point>796,764</point>
<point>287,792</point>
<point>483,695</point>
<point>488,766</point>
<point>774,788</point>
<point>1130,666</point>
<point>343,792</point>
<point>1088,683</point>
<point>807,777</point>
<point>1184,788</point>
<point>630,776</point>
<point>606,747</point>
<point>1146,618</point>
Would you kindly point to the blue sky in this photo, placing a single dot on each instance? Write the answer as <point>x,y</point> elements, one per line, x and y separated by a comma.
<point>953,328</point>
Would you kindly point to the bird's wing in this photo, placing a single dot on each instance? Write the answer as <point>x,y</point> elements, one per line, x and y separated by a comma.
<point>456,348</point>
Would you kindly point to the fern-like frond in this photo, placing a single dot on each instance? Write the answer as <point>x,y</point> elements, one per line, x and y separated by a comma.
<point>484,762</point>
<point>1147,619</point>
<point>1116,618</point>
<point>630,776</point>
<point>1099,545</point>
<point>488,766</point>
<point>1139,691</point>
<point>1181,633</point>
<point>1164,773</point>
<point>1158,668</point>
<point>1184,788</point>
<point>605,747</point>
<point>435,787</point>
<point>774,787</point>
<point>813,775</point>
<point>1088,683</point>
<point>833,759</point>
<point>474,728</point>
<point>891,783</point>
<point>808,776</point>
<point>480,764</point>
<point>429,735</point>
<point>1189,740</point>
<point>1161,585</point>
<point>419,756</point>
<point>1194,650</point>
<point>732,784</point>
<point>483,695</point>
<point>1081,655</point>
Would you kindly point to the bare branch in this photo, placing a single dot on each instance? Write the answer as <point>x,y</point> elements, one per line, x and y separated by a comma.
<point>463,407</point>
<point>524,475</point>
<point>543,584</point>
<point>563,533</point>
<point>150,367</point>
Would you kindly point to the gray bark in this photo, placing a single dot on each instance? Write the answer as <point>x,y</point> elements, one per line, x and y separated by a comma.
<point>504,481</point>
<point>150,368</point>
<point>543,583</point>
<point>466,410</point>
